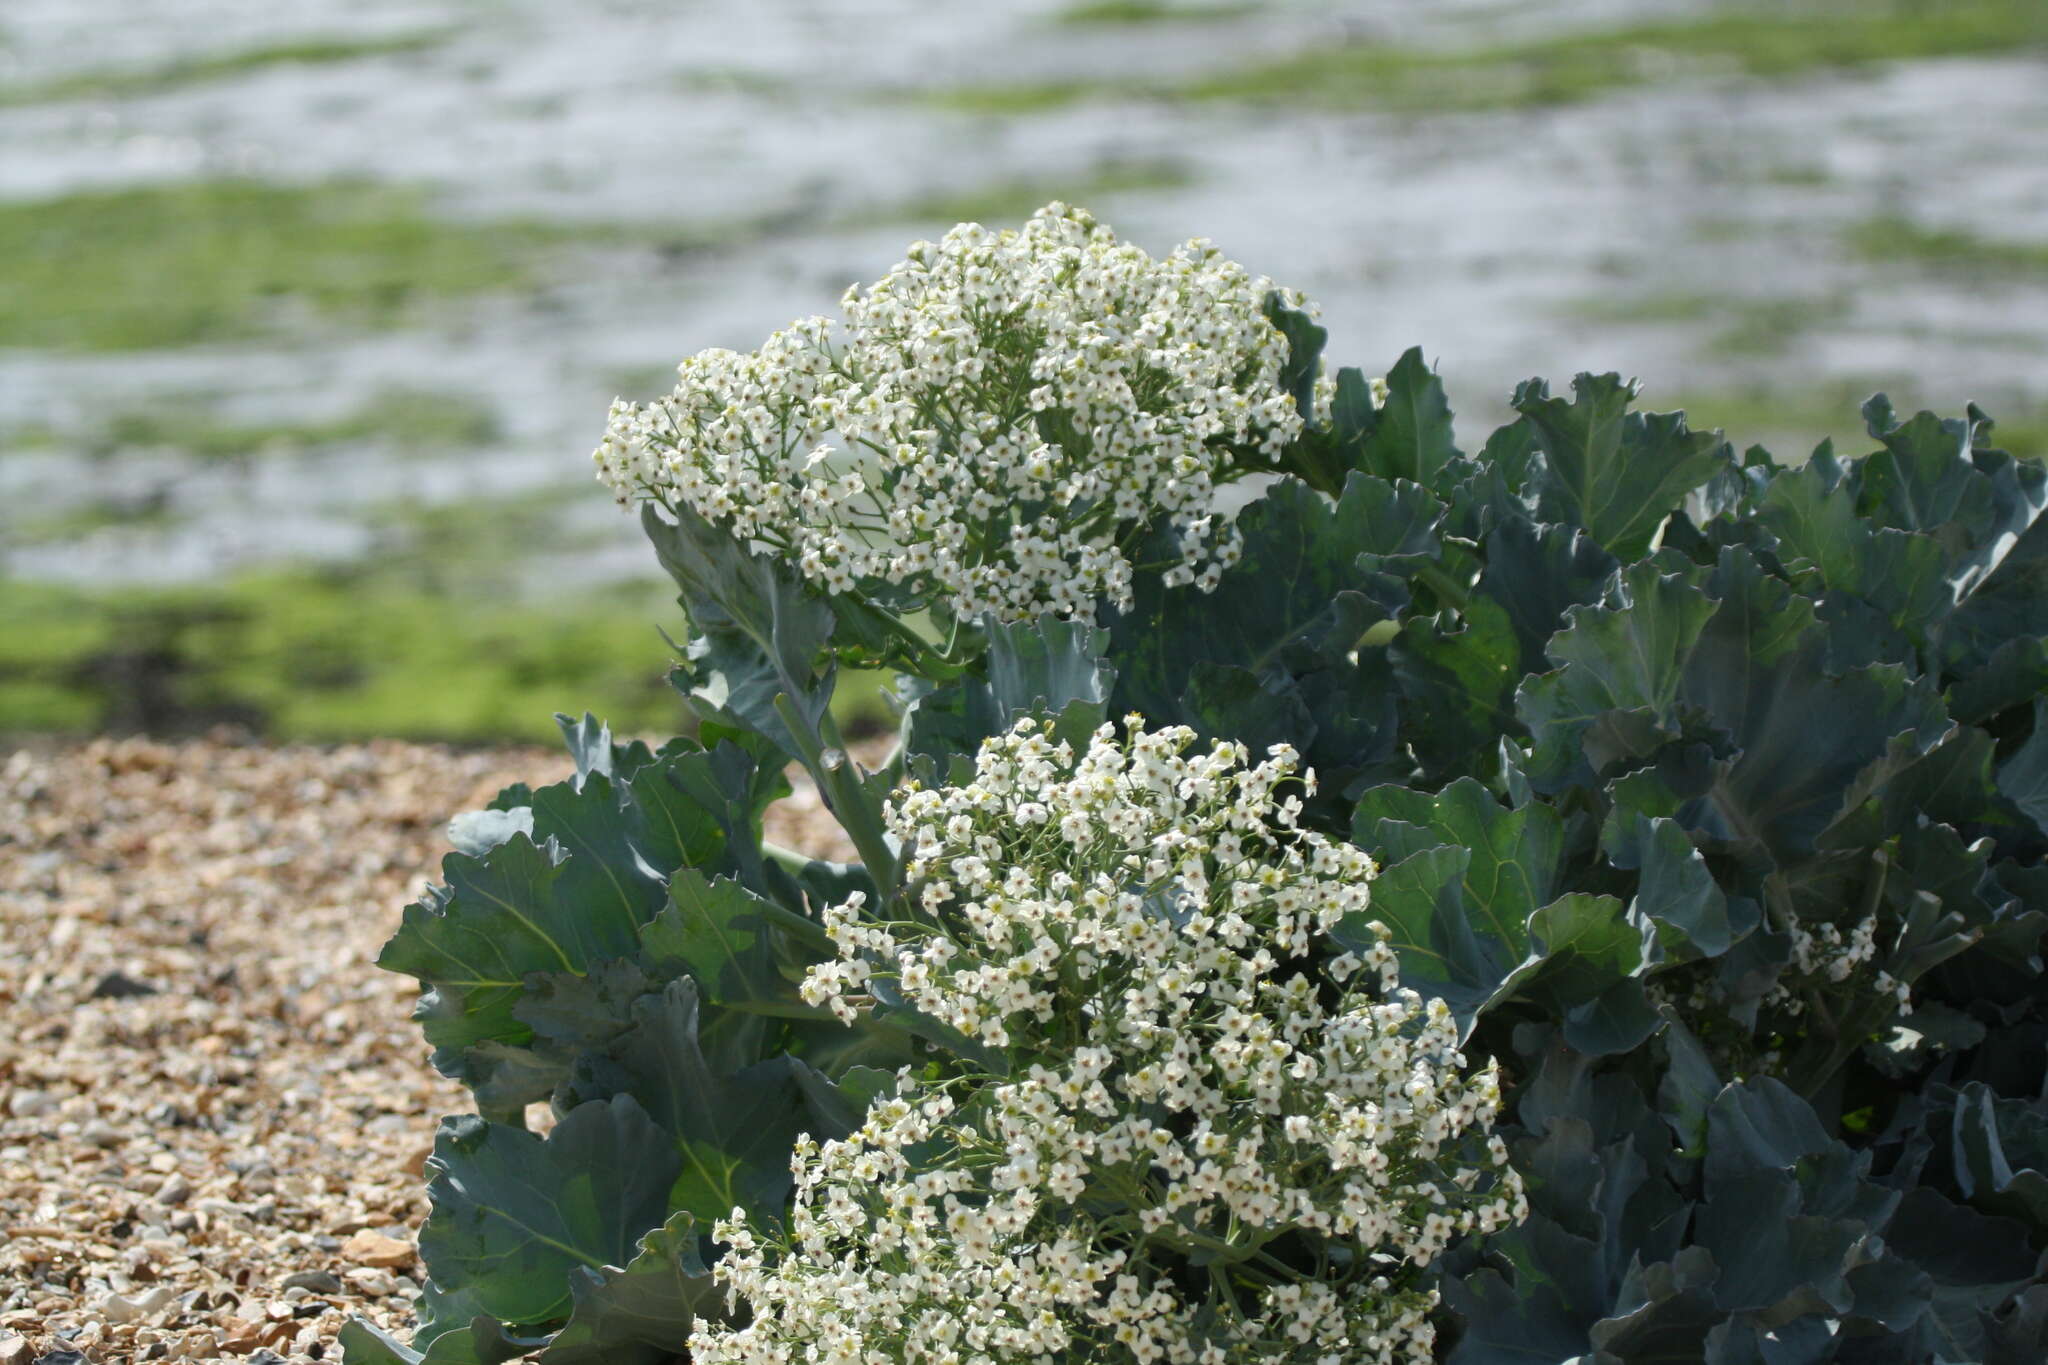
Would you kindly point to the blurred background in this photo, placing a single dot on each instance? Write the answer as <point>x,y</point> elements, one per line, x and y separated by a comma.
<point>309,313</point>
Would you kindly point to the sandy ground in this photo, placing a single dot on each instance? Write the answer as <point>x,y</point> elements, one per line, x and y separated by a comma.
<point>213,1106</point>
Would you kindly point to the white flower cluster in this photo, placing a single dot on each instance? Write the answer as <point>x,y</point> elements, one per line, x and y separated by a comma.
<point>1823,952</point>
<point>1192,1147</point>
<point>994,423</point>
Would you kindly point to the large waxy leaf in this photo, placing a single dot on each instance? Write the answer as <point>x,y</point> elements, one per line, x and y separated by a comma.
<point>1604,1217</point>
<point>567,1014</point>
<point>2011,603</point>
<point>1300,556</point>
<point>759,596</point>
<point>1976,1263</point>
<point>734,944</point>
<point>1409,437</point>
<point>1615,473</point>
<point>755,631</point>
<point>503,918</point>
<point>2014,674</point>
<point>1402,524</point>
<point>1739,661</point>
<point>575,899</point>
<point>1457,682</point>
<point>482,1342</point>
<point>1470,900</point>
<point>1274,653</point>
<point>451,1330</point>
<point>1526,1322</point>
<point>1676,893</point>
<point>1257,710</point>
<point>1813,512</point>
<point>1515,854</point>
<point>1775,1244</point>
<point>477,832</point>
<point>1993,1151</point>
<point>1305,340</point>
<point>1538,573</point>
<point>514,1214</point>
<point>1421,899</point>
<point>2023,778</point>
<point>595,751</point>
<point>1047,667</point>
<point>1663,1310</point>
<point>1621,663</point>
<point>734,1129</point>
<point>643,1312</point>
<point>1933,478</point>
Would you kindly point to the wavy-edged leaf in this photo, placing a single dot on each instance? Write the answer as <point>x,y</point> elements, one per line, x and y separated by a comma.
<point>734,1130</point>
<point>1299,561</point>
<point>1515,854</point>
<point>500,920</point>
<point>480,1342</point>
<point>514,1214</point>
<point>477,832</point>
<point>1813,513</point>
<point>1044,666</point>
<point>641,1313</point>
<point>1457,683</point>
<point>573,900</point>
<point>1410,437</point>
<point>1538,573</point>
<point>1676,892</point>
<point>1616,473</point>
<point>1998,1153</point>
<point>1932,477</point>
<point>755,630</point>
<point>1626,661</point>
<point>734,944</point>
<point>2023,778</point>
<point>1475,922</point>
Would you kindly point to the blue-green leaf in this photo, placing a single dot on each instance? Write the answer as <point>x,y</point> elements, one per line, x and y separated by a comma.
<point>1615,473</point>
<point>514,1214</point>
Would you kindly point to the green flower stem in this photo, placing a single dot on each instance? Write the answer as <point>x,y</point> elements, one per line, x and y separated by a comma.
<point>788,859</point>
<point>1442,585</point>
<point>839,783</point>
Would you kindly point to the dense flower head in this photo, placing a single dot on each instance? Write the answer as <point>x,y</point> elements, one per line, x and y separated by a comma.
<point>1187,1129</point>
<point>993,424</point>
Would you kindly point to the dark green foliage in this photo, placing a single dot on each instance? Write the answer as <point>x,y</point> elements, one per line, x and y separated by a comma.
<point>1644,734</point>
<point>622,946</point>
<point>1644,715</point>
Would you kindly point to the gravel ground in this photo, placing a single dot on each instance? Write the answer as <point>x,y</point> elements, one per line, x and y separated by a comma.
<point>213,1106</point>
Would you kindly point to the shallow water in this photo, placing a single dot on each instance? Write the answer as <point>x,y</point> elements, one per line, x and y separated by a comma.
<point>1691,234</point>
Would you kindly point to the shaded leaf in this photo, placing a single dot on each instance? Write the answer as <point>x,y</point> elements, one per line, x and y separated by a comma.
<point>644,1312</point>
<point>515,1213</point>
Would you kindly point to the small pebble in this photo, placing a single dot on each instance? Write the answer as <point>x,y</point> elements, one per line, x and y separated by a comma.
<point>121,986</point>
<point>375,1283</point>
<point>375,1249</point>
<point>130,1308</point>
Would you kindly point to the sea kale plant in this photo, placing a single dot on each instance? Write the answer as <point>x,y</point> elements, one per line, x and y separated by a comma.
<point>1336,894</point>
